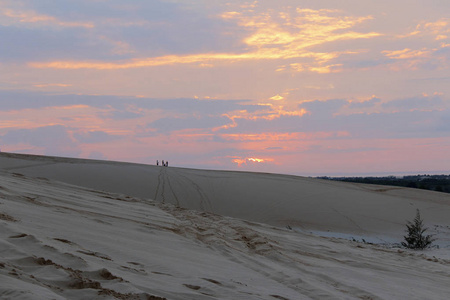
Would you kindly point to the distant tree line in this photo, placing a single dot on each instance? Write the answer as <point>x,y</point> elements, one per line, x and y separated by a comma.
<point>438,183</point>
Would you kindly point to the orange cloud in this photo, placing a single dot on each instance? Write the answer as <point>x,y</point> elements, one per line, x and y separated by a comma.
<point>406,53</point>
<point>51,85</point>
<point>326,69</point>
<point>140,63</point>
<point>33,17</point>
<point>277,97</point>
<point>249,5</point>
<point>256,159</point>
<point>239,161</point>
<point>413,59</point>
<point>275,112</point>
<point>230,15</point>
<point>270,40</point>
<point>271,35</point>
<point>282,136</point>
<point>243,161</point>
<point>440,29</point>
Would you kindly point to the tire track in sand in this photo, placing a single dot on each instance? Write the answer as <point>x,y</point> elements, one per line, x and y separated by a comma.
<point>160,185</point>
<point>163,179</point>
<point>205,203</point>
<point>166,178</point>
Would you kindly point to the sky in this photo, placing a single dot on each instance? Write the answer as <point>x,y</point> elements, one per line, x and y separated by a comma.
<point>304,87</point>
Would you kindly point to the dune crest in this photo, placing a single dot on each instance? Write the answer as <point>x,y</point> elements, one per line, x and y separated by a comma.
<point>60,241</point>
<point>376,212</point>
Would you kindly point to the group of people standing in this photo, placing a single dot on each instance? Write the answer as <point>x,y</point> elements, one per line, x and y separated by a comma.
<point>164,164</point>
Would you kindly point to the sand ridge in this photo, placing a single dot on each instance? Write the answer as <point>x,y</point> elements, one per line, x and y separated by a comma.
<point>182,239</point>
<point>283,200</point>
<point>67,242</point>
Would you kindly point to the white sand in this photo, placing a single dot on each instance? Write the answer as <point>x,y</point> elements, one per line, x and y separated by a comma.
<point>107,239</point>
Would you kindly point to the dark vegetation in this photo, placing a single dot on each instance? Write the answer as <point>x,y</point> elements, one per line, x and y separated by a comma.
<point>439,183</point>
<point>415,238</point>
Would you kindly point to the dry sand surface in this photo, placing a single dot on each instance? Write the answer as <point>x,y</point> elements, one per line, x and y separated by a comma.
<point>83,229</point>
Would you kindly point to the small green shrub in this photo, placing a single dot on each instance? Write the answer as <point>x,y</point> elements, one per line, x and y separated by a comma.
<point>415,238</point>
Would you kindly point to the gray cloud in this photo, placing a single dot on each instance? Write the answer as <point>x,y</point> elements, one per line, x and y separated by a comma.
<point>97,155</point>
<point>95,137</point>
<point>415,103</point>
<point>165,125</point>
<point>366,104</point>
<point>324,108</point>
<point>25,44</point>
<point>208,107</point>
<point>122,115</point>
<point>401,118</point>
<point>148,28</point>
<point>400,124</point>
<point>404,124</point>
<point>16,100</point>
<point>55,140</point>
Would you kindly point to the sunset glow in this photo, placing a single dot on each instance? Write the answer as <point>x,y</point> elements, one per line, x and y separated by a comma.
<point>243,161</point>
<point>298,87</point>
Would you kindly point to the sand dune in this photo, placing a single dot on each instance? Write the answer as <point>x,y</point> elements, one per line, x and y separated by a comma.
<point>105,238</point>
<point>376,212</point>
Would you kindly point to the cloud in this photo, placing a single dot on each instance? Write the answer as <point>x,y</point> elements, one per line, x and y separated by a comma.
<point>26,16</point>
<point>134,114</point>
<point>269,39</point>
<point>325,109</point>
<point>235,120</point>
<point>95,136</point>
<point>277,97</point>
<point>407,53</point>
<point>413,124</point>
<point>45,85</point>
<point>106,30</point>
<point>340,118</point>
<point>123,114</point>
<point>259,139</point>
<point>416,103</point>
<point>97,155</point>
<point>25,44</point>
<point>52,140</point>
<point>364,104</point>
<point>21,44</point>
<point>301,78</point>
<point>165,125</point>
<point>240,161</point>
<point>190,106</point>
<point>17,100</point>
<point>440,28</point>
<point>435,56</point>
